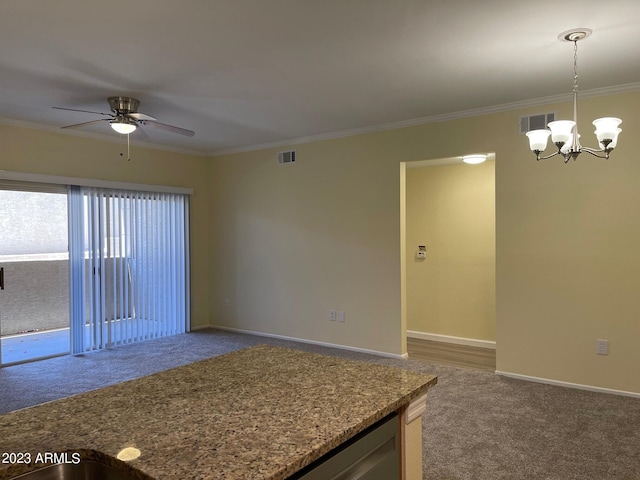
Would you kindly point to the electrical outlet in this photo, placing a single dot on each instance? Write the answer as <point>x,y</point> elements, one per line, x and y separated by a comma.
<point>332,315</point>
<point>602,347</point>
<point>341,316</point>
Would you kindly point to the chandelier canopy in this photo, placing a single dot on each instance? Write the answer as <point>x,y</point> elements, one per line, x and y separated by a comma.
<point>564,133</point>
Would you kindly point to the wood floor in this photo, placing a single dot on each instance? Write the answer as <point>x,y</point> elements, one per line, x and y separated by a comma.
<point>452,354</point>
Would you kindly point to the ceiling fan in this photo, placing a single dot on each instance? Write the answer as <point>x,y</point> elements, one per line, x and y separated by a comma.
<point>126,118</point>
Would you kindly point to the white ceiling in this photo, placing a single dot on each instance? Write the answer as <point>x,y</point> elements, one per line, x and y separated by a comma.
<point>245,73</point>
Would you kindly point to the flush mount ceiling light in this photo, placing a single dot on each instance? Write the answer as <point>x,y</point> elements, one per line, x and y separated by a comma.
<point>564,133</point>
<point>123,125</point>
<point>474,159</point>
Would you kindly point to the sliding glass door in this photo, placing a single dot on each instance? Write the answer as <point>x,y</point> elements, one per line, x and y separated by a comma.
<point>129,257</point>
<point>34,272</point>
<point>84,268</point>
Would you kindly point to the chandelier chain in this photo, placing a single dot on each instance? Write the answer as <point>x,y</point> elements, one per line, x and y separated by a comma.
<point>575,66</point>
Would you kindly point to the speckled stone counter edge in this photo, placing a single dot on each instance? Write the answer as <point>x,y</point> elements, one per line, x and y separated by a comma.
<point>420,384</point>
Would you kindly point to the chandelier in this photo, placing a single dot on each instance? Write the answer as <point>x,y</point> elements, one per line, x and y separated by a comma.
<point>564,133</point>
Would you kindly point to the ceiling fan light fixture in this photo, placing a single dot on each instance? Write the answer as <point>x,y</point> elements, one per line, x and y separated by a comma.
<point>123,127</point>
<point>125,117</point>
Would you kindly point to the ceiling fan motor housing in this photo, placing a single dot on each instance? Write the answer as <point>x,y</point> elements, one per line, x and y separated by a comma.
<point>123,105</point>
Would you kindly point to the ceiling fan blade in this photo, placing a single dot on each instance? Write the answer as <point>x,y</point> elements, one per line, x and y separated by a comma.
<point>140,134</point>
<point>168,128</point>
<point>77,125</point>
<point>83,111</point>
<point>140,116</point>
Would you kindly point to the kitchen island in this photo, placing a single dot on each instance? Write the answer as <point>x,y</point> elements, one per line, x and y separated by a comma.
<point>262,413</point>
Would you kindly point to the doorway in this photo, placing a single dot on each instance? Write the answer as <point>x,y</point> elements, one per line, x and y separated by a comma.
<point>34,273</point>
<point>450,287</point>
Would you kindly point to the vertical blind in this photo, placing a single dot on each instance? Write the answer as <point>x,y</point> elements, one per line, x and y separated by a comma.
<point>129,266</point>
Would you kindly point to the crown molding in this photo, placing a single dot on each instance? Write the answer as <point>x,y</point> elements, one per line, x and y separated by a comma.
<point>596,92</point>
<point>630,87</point>
<point>95,136</point>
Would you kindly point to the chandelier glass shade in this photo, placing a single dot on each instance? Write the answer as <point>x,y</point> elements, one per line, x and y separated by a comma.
<point>564,133</point>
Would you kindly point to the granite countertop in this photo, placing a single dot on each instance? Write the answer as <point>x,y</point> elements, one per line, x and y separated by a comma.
<point>259,413</point>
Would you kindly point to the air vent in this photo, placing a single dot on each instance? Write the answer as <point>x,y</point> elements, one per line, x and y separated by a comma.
<point>287,158</point>
<point>535,122</point>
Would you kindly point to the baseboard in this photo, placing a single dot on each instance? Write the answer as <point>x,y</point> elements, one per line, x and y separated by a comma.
<point>434,337</point>
<point>200,327</point>
<point>313,342</point>
<point>559,383</point>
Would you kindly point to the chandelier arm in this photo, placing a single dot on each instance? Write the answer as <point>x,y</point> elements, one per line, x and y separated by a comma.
<point>538,157</point>
<point>596,153</point>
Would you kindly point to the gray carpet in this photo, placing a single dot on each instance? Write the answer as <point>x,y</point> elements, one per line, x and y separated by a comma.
<point>477,426</point>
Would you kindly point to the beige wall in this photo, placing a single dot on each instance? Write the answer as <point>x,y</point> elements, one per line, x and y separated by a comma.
<point>286,244</point>
<point>451,210</point>
<point>293,242</point>
<point>290,243</point>
<point>49,153</point>
<point>568,259</point>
